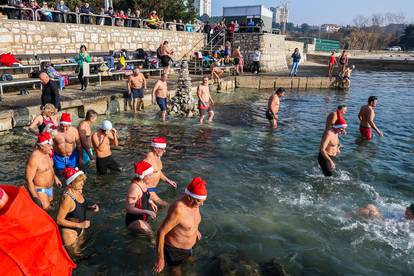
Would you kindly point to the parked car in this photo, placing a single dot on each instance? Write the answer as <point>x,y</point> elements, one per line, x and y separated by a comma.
<point>394,49</point>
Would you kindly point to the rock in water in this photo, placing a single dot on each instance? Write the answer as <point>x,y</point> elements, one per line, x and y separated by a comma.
<point>273,268</point>
<point>183,103</point>
<point>232,264</point>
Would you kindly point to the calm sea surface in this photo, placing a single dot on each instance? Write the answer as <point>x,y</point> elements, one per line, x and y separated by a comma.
<point>267,196</point>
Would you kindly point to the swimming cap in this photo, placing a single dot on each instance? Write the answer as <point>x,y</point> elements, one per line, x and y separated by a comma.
<point>106,125</point>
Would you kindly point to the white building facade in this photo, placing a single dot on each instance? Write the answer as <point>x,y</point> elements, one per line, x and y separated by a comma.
<point>203,7</point>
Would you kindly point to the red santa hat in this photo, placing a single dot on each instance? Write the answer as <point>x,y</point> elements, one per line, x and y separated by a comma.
<point>143,169</point>
<point>65,119</point>
<point>159,142</point>
<point>71,174</point>
<point>44,138</point>
<point>197,188</point>
<point>340,122</point>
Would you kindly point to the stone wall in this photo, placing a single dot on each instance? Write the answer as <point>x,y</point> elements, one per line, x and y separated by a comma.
<point>27,37</point>
<point>271,46</point>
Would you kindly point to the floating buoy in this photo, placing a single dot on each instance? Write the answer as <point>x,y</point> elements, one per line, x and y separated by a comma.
<point>3,198</point>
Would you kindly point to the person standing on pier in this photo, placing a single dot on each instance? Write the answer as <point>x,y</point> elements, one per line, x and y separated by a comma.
<point>366,119</point>
<point>40,175</point>
<point>82,58</point>
<point>205,101</point>
<point>85,134</point>
<point>136,88</point>
<point>165,56</point>
<point>179,232</point>
<point>343,62</point>
<point>50,91</point>
<point>331,65</point>
<point>295,62</point>
<point>160,94</point>
<point>158,148</point>
<point>273,106</point>
<point>329,146</point>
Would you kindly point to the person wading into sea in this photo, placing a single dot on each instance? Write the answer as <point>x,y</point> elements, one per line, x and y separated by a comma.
<point>366,119</point>
<point>179,231</point>
<point>40,175</point>
<point>273,107</point>
<point>102,140</point>
<point>160,94</point>
<point>205,102</point>
<point>329,147</point>
<point>333,116</point>
<point>158,146</point>
<point>136,88</point>
<point>85,134</point>
<point>67,145</point>
<point>139,205</point>
<point>166,55</point>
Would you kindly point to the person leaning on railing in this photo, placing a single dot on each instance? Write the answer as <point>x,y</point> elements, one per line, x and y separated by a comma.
<point>63,9</point>
<point>153,21</point>
<point>46,13</point>
<point>180,26</point>
<point>29,15</point>
<point>86,19</point>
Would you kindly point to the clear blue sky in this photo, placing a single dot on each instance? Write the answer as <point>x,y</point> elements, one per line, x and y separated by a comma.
<point>327,11</point>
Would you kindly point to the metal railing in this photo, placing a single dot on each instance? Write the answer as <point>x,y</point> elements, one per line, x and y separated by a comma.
<point>92,19</point>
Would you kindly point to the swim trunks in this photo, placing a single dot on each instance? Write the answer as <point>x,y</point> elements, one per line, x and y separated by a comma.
<point>366,132</point>
<point>62,162</point>
<point>204,108</point>
<point>270,116</point>
<point>137,93</point>
<point>152,190</point>
<point>48,191</point>
<point>176,256</point>
<point>236,61</point>
<point>162,103</point>
<point>85,157</point>
<point>107,163</point>
<point>324,165</point>
<point>165,61</point>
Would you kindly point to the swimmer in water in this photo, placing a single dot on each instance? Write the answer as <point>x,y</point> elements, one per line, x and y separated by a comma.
<point>85,134</point>
<point>366,119</point>
<point>205,101</point>
<point>71,216</point>
<point>158,146</point>
<point>273,106</point>
<point>371,212</point>
<point>40,175</point>
<point>329,146</point>
<point>179,231</point>
<point>139,205</point>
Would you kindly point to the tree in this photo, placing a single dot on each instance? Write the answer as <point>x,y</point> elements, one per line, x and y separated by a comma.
<point>407,39</point>
<point>305,27</point>
<point>360,21</point>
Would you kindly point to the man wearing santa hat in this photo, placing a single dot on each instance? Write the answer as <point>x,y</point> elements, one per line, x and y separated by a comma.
<point>333,116</point>
<point>179,231</point>
<point>329,147</point>
<point>67,145</point>
<point>40,175</point>
<point>158,146</point>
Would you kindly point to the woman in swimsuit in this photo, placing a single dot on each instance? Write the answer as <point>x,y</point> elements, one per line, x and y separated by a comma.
<point>71,215</point>
<point>139,205</point>
<point>46,121</point>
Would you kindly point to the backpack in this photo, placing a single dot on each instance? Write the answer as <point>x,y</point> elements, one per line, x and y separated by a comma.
<point>6,77</point>
<point>140,54</point>
<point>34,74</point>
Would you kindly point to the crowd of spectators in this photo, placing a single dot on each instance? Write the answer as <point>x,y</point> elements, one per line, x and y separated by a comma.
<point>222,30</point>
<point>61,12</point>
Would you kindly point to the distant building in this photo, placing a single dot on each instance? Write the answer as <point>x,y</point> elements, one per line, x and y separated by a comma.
<point>203,7</point>
<point>258,13</point>
<point>280,14</point>
<point>330,28</point>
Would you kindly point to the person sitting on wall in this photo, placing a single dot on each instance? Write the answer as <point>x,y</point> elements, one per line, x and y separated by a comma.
<point>216,72</point>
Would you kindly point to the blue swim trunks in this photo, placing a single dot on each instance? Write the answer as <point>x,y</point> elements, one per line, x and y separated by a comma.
<point>62,162</point>
<point>48,191</point>
<point>162,103</point>
<point>152,190</point>
<point>85,156</point>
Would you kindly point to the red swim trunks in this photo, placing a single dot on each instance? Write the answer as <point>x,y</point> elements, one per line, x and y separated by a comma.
<point>366,132</point>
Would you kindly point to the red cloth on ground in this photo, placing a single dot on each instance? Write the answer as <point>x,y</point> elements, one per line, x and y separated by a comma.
<point>8,59</point>
<point>30,242</point>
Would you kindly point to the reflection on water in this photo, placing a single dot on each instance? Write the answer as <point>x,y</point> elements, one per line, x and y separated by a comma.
<point>267,196</point>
